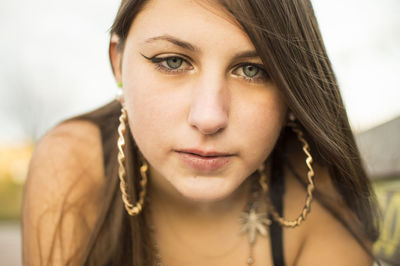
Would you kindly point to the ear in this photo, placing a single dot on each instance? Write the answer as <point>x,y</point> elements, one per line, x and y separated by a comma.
<point>115,53</point>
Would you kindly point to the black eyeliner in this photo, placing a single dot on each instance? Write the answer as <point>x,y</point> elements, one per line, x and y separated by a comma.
<point>153,59</point>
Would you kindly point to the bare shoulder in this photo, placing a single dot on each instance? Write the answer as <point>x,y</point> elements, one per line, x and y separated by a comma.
<point>68,153</point>
<point>64,183</point>
<point>322,237</point>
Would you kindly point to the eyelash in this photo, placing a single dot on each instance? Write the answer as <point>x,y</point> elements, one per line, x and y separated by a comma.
<point>157,61</point>
<point>262,76</point>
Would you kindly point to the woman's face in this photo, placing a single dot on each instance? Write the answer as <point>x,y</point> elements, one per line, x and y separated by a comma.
<point>201,108</point>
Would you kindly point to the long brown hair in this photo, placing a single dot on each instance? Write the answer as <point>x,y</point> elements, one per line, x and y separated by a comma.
<point>287,38</point>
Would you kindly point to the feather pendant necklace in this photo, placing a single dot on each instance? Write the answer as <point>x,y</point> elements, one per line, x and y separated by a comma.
<point>253,223</point>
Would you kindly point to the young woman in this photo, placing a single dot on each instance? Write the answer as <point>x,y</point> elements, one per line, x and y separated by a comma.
<point>228,145</point>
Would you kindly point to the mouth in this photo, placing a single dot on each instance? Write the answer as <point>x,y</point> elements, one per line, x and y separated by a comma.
<point>206,154</point>
<point>204,161</point>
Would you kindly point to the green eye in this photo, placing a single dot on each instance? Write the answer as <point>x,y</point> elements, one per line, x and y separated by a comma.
<point>174,62</point>
<point>250,71</point>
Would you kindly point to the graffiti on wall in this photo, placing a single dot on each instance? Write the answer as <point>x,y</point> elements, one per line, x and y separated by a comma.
<point>388,245</point>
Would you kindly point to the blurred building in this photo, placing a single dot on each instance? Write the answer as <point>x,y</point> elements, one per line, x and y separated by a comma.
<point>380,148</point>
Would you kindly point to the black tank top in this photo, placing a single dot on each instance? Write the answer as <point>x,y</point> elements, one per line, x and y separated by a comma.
<point>277,190</point>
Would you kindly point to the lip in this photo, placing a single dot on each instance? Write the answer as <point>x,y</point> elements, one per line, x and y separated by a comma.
<point>204,161</point>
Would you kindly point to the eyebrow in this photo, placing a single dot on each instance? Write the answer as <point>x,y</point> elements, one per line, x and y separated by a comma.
<point>175,41</point>
<point>246,54</point>
<point>193,48</point>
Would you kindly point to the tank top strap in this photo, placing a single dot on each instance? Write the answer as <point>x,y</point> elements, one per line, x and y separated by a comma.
<point>277,188</point>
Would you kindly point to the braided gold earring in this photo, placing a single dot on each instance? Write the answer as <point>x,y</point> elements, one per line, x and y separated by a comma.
<point>263,178</point>
<point>310,176</point>
<point>132,209</point>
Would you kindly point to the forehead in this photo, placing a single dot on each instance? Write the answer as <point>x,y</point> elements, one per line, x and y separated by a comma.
<point>200,21</point>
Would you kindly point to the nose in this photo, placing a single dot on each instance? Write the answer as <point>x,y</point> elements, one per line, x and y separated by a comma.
<point>209,106</point>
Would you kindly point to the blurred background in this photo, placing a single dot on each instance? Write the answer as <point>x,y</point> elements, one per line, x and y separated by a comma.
<point>54,64</point>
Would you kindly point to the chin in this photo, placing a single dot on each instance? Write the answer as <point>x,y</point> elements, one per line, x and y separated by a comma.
<point>206,189</point>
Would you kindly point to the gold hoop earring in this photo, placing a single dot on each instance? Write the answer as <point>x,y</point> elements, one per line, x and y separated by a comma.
<point>310,187</point>
<point>132,209</point>
<point>263,178</point>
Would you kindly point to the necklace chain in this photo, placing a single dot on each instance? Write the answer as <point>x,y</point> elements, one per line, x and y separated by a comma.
<point>253,223</point>
<point>250,259</point>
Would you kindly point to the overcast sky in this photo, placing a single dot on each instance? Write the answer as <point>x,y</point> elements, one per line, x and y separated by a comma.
<point>54,60</point>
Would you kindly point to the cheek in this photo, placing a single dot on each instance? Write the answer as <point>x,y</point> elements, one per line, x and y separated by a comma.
<point>150,100</point>
<point>260,124</point>
<point>153,113</point>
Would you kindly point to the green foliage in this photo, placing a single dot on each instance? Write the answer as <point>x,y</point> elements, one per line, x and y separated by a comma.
<point>10,199</point>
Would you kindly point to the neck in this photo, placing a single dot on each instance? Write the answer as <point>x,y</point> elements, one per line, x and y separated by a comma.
<point>184,226</point>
